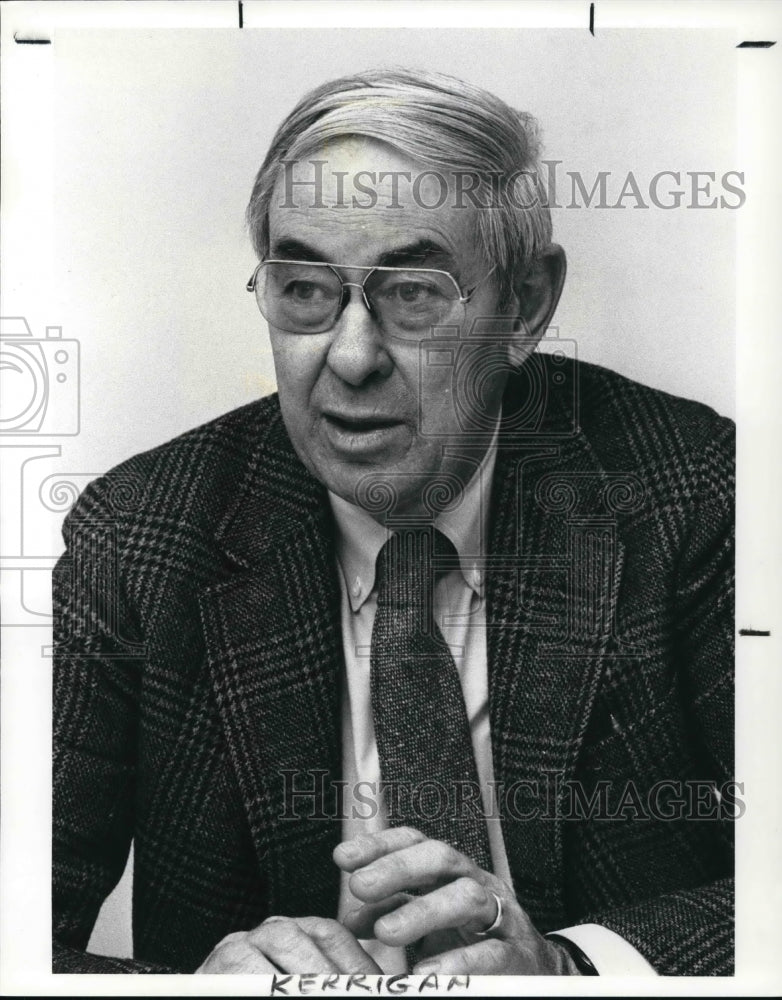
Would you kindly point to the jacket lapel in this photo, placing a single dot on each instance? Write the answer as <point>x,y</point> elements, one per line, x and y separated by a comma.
<point>273,642</point>
<point>554,566</point>
<point>272,630</point>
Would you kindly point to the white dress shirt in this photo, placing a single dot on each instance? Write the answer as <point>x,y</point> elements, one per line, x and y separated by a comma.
<point>460,610</point>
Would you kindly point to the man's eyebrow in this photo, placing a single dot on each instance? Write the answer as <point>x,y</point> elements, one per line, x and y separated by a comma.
<point>421,253</point>
<point>289,249</point>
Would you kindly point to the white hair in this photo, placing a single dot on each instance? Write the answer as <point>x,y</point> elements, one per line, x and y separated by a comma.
<point>442,121</point>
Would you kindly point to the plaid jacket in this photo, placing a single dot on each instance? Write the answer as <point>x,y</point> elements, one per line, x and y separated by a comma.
<point>199,656</point>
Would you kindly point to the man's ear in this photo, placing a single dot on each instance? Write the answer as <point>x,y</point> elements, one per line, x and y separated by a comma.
<point>537,295</point>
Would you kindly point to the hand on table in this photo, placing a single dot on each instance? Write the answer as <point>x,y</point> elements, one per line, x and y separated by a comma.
<point>290,944</point>
<point>456,903</point>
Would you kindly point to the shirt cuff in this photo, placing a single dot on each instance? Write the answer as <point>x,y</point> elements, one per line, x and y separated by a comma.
<point>610,954</point>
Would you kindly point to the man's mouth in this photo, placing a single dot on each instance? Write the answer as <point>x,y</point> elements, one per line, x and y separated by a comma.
<point>364,436</point>
<point>358,424</point>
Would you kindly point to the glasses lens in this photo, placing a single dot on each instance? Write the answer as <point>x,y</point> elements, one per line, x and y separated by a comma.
<point>299,298</point>
<point>408,303</point>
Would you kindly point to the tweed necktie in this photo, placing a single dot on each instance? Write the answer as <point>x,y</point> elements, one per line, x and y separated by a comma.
<point>421,727</point>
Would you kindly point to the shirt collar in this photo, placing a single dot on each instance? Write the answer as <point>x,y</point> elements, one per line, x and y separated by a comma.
<point>360,537</point>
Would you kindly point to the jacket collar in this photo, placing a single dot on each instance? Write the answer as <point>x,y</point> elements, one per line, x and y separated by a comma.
<point>278,499</point>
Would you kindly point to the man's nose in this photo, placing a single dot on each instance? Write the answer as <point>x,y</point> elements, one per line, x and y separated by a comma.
<point>357,350</point>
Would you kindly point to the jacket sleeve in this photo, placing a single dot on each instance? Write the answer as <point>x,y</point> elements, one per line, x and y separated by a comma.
<point>65,960</point>
<point>98,664</point>
<point>690,932</point>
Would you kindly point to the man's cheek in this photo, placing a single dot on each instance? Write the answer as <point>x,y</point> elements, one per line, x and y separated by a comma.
<point>437,417</point>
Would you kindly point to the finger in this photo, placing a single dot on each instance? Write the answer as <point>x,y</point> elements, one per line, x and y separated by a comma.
<point>235,955</point>
<point>361,921</point>
<point>363,850</point>
<point>290,948</point>
<point>489,957</point>
<point>422,866</point>
<point>464,905</point>
<point>339,945</point>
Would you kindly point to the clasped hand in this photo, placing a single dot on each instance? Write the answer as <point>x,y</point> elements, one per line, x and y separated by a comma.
<point>412,891</point>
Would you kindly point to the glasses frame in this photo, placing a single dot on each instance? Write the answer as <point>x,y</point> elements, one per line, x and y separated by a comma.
<point>463,296</point>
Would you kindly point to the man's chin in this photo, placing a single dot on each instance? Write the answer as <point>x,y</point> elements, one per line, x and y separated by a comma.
<point>383,493</point>
<point>394,479</point>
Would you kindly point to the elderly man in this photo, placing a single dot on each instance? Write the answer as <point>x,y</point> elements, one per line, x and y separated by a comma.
<point>425,661</point>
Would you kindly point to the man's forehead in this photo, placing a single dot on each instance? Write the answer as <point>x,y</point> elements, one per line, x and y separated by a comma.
<point>367,197</point>
<point>344,163</point>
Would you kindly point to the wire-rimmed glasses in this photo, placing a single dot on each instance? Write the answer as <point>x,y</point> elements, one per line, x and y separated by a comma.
<point>307,297</point>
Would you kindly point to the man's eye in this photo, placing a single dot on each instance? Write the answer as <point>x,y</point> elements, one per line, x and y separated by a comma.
<point>412,292</point>
<point>305,291</point>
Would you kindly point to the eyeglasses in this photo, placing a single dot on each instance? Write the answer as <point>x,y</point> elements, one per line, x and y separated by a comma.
<point>302,297</point>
